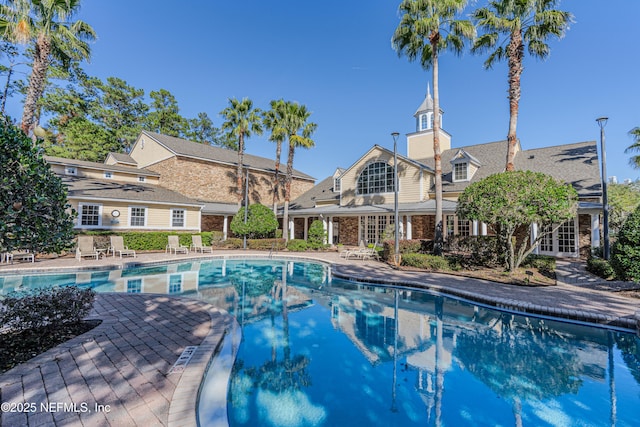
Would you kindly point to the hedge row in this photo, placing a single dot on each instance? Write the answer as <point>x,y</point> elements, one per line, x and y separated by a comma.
<point>25,310</point>
<point>152,240</point>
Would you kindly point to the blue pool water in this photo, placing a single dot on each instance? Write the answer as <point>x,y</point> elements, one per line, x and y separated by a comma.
<point>319,351</point>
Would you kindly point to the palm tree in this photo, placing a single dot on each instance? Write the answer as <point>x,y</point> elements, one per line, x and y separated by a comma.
<point>428,27</point>
<point>299,133</point>
<point>45,24</point>
<point>634,160</point>
<point>274,121</point>
<point>242,120</point>
<point>525,23</point>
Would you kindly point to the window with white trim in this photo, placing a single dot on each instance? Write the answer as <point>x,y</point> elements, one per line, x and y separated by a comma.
<point>141,179</point>
<point>375,178</point>
<point>70,170</point>
<point>336,185</point>
<point>461,171</point>
<point>137,217</point>
<point>90,215</point>
<point>178,218</point>
<point>108,174</point>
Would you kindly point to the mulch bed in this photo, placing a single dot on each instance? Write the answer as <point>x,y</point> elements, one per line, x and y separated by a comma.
<point>19,347</point>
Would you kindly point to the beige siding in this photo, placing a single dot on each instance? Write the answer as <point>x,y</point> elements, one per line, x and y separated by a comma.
<point>158,217</point>
<point>147,151</point>
<point>408,177</point>
<point>99,174</point>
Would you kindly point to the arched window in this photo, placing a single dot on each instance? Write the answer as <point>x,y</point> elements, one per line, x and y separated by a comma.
<point>424,122</point>
<point>376,178</point>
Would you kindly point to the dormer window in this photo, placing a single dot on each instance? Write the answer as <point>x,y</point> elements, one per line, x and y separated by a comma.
<point>461,171</point>
<point>336,185</point>
<point>142,179</point>
<point>70,170</point>
<point>108,174</point>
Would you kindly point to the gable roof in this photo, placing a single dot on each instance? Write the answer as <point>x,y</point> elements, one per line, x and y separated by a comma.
<point>98,166</point>
<point>401,158</point>
<point>209,153</point>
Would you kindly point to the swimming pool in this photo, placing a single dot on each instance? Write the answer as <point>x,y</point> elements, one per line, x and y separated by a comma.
<point>321,351</point>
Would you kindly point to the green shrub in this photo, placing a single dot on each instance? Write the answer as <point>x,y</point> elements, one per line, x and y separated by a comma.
<point>266,244</point>
<point>480,250</point>
<point>600,267</point>
<point>261,222</point>
<point>24,310</point>
<point>625,253</point>
<point>426,261</point>
<point>316,235</point>
<point>543,263</point>
<point>297,245</point>
<point>406,247</point>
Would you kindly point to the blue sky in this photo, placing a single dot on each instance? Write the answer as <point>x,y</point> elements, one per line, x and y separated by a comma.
<point>336,58</point>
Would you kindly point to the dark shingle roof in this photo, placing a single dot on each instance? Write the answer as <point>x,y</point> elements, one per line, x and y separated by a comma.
<point>103,189</point>
<point>323,191</point>
<point>98,166</point>
<point>185,148</point>
<point>123,158</point>
<point>574,163</point>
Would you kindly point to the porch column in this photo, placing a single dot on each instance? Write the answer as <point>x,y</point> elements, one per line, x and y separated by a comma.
<point>474,227</point>
<point>329,228</point>
<point>534,236</point>
<point>291,230</point>
<point>595,230</point>
<point>225,227</point>
<point>306,229</point>
<point>409,231</point>
<point>483,229</point>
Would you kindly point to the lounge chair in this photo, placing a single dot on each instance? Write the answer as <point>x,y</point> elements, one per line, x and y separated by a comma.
<point>175,246</point>
<point>355,252</point>
<point>117,245</point>
<point>86,248</point>
<point>196,244</point>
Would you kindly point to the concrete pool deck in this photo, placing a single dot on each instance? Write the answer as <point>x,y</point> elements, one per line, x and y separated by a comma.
<point>124,365</point>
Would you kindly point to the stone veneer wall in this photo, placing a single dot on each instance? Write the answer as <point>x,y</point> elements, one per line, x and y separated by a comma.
<point>214,223</point>
<point>215,182</point>
<point>584,236</point>
<point>423,226</point>
<point>348,230</point>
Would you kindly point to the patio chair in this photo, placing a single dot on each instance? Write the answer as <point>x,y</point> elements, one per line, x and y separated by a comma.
<point>371,252</point>
<point>86,248</point>
<point>175,246</point>
<point>196,244</point>
<point>355,252</point>
<point>117,245</point>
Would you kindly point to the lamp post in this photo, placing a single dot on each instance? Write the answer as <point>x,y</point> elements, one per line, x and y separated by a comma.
<point>246,208</point>
<point>396,248</point>
<point>602,122</point>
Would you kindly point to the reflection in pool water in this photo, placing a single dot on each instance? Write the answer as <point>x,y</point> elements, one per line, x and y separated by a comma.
<point>322,351</point>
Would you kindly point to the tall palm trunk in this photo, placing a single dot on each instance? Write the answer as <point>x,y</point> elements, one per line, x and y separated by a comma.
<point>36,82</point>
<point>437,158</point>
<point>287,192</point>
<point>239,169</point>
<point>276,178</point>
<point>515,52</point>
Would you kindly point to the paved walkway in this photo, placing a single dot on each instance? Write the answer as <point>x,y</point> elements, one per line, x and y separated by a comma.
<point>124,364</point>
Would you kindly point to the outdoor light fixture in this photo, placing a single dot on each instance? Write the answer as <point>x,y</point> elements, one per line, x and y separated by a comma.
<point>396,253</point>
<point>602,122</point>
